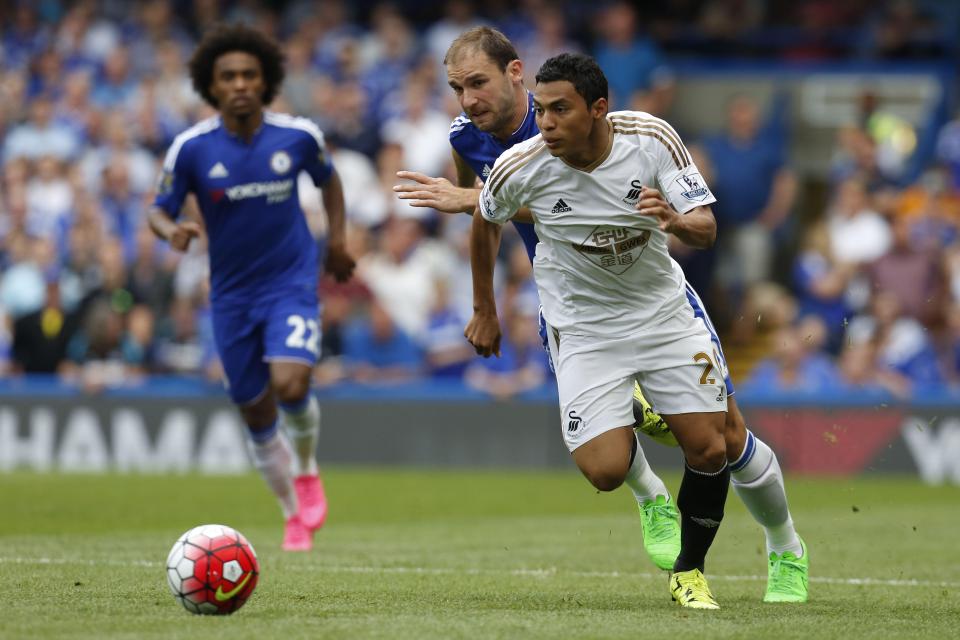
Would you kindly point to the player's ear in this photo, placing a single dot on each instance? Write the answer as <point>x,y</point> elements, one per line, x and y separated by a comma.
<point>599,108</point>
<point>515,70</point>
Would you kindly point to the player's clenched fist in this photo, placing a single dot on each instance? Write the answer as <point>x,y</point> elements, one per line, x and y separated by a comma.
<point>652,203</point>
<point>339,263</point>
<point>183,234</point>
<point>483,332</point>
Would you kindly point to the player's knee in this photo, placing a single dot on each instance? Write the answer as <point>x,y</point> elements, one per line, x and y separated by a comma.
<point>708,455</point>
<point>291,389</point>
<point>604,479</point>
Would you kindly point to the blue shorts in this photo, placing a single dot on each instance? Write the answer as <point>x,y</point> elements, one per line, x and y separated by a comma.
<point>249,336</point>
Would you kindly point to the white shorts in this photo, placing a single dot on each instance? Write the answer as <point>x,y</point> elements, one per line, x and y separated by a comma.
<point>677,364</point>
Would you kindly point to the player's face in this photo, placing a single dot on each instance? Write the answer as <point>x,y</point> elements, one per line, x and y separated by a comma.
<point>485,93</point>
<point>564,118</point>
<point>238,84</point>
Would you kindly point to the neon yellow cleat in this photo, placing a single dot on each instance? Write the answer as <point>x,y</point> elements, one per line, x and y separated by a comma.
<point>649,422</point>
<point>689,589</point>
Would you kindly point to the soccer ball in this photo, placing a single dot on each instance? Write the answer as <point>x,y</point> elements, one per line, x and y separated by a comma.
<point>212,569</point>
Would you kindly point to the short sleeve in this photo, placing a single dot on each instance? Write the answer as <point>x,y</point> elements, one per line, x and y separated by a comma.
<point>498,198</point>
<point>317,161</point>
<point>174,181</point>
<point>680,180</point>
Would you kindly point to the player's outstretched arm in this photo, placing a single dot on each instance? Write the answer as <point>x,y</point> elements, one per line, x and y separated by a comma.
<point>483,330</point>
<point>178,234</point>
<point>436,193</point>
<point>696,228</point>
<point>339,262</point>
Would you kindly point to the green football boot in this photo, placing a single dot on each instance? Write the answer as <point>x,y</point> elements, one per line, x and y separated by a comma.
<point>661,531</point>
<point>787,576</point>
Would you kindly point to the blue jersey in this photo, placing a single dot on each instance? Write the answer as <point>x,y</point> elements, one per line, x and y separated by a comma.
<point>480,150</point>
<point>260,244</point>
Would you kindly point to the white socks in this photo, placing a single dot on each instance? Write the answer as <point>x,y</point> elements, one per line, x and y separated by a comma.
<point>272,457</point>
<point>303,427</point>
<point>758,481</point>
<point>641,479</point>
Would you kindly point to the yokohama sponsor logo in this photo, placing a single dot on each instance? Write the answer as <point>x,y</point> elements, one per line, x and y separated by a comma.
<point>275,191</point>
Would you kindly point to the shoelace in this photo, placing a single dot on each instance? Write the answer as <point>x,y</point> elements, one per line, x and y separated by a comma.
<point>700,589</point>
<point>787,573</point>
<point>660,516</point>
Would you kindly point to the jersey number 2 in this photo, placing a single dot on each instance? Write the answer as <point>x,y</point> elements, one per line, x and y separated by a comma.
<point>305,334</point>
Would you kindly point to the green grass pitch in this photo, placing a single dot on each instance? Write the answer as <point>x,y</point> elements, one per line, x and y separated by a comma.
<point>453,554</point>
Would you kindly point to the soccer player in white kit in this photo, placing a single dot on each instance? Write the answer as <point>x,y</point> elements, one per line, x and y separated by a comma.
<point>603,191</point>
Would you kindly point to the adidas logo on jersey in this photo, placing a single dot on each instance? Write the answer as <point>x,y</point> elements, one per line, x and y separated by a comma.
<point>560,207</point>
<point>218,171</point>
<point>486,172</point>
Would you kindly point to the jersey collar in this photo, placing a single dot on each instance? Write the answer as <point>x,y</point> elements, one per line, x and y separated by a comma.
<point>521,133</point>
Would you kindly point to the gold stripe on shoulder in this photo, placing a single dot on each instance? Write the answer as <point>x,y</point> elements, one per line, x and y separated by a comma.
<point>671,133</point>
<point>656,135</point>
<point>506,164</point>
<point>662,126</point>
<point>515,163</point>
<point>529,156</point>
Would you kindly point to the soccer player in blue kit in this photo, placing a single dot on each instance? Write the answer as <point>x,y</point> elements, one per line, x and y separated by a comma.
<point>242,167</point>
<point>485,72</point>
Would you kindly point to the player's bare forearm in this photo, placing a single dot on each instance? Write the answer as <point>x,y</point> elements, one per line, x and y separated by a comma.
<point>697,228</point>
<point>178,234</point>
<point>339,263</point>
<point>160,223</point>
<point>336,209</point>
<point>483,330</point>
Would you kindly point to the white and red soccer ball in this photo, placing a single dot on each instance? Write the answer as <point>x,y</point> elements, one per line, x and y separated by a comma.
<point>212,569</point>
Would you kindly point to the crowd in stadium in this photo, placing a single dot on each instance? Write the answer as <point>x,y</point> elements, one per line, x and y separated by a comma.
<point>92,94</point>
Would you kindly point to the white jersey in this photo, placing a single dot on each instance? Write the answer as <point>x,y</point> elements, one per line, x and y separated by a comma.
<point>601,267</point>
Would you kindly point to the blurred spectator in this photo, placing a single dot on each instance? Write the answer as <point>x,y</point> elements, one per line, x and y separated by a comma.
<point>861,371</point>
<point>458,16</point>
<point>40,338</point>
<point>22,286</point>
<point>150,273</point>
<point>185,343</point>
<point>755,193</point>
<point>948,149</point>
<point>797,365</point>
<point>101,354</point>
<point>41,135</point>
<point>522,364</point>
<point>821,282</point>
<point>416,140</point>
<point>901,343</point>
<point>912,276</point>
<point>636,72</point>
<point>548,39</point>
<point>49,200</point>
<point>858,234</point>
<point>400,271</point>
<point>377,350</point>
<point>447,352</point>
<point>117,145</point>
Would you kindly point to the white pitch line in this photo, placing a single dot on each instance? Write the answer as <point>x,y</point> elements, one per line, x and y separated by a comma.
<point>534,573</point>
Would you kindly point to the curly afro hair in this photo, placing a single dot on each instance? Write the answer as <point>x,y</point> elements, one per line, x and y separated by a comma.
<point>237,37</point>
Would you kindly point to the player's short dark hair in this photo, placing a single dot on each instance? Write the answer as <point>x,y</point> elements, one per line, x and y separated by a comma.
<point>236,37</point>
<point>493,43</point>
<point>578,69</point>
